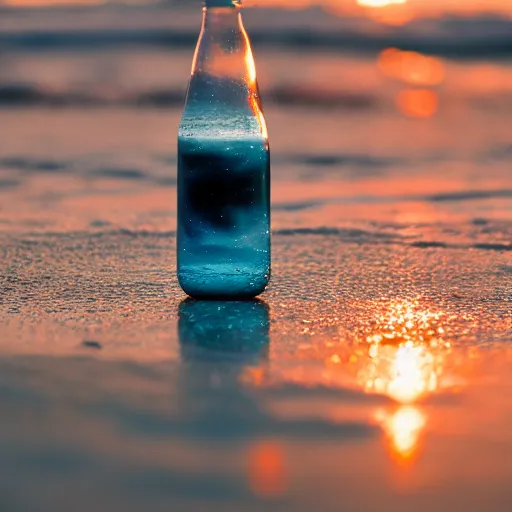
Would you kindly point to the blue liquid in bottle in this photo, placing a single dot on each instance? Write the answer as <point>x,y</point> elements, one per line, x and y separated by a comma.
<point>223,166</point>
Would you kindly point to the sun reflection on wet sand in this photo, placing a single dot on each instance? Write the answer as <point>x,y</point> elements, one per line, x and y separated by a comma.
<point>403,429</point>
<point>405,373</point>
<point>406,356</point>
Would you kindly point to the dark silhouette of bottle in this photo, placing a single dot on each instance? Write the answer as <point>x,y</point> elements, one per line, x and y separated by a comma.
<point>223,166</point>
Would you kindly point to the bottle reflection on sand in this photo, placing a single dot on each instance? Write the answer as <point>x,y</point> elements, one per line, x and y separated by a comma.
<point>219,342</point>
<point>235,332</point>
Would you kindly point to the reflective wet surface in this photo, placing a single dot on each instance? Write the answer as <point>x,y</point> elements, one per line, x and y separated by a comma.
<point>374,373</point>
<point>112,379</point>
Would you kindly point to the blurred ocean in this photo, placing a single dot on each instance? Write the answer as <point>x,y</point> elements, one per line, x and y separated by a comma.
<point>376,371</point>
<point>137,56</point>
<point>97,92</point>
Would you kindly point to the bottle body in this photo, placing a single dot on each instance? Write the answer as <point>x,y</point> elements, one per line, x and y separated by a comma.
<point>223,245</point>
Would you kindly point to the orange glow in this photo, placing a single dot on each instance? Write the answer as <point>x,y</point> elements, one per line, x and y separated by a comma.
<point>403,429</point>
<point>249,57</point>
<point>254,96</point>
<point>380,3</point>
<point>408,322</point>
<point>388,12</point>
<point>395,12</point>
<point>406,356</point>
<point>256,108</point>
<point>419,103</point>
<point>411,67</point>
<point>392,16</point>
<point>266,469</point>
<point>405,360</point>
<point>252,376</point>
<point>405,373</point>
<point>196,52</point>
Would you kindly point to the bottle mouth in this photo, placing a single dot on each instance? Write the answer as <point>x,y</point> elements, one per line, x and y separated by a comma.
<point>222,3</point>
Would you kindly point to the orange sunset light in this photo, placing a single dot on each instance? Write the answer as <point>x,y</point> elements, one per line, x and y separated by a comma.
<point>267,474</point>
<point>419,103</point>
<point>403,429</point>
<point>254,96</point>
<point>394,11</point>
<point>404,353</point>
<point>411,67</point>
<point>380,3</point>
<point>406,359</point>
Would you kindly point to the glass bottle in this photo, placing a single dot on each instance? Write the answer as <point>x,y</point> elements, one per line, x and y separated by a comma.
<point>223,243</point>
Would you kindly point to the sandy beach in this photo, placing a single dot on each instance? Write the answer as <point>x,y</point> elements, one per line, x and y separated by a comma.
<point>375,371</point>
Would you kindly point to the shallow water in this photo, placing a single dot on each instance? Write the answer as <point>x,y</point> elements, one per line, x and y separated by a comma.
<point>375,373</point>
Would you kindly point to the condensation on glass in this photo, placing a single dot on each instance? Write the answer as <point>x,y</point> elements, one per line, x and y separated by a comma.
<point>223,165</point>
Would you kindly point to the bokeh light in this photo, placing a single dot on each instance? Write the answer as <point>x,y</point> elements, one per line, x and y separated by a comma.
<point>403,429</point>
<point>419,103</point>
<point>380,3</point>
<point>411,68</point>
<point>267,468</point>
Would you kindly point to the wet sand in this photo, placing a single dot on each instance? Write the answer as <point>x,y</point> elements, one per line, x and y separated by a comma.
<point>373,373</point>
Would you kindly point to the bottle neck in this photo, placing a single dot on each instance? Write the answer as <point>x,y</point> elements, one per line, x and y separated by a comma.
<point>222,23</point>
<point>223,84</point>
<point>223,44</point>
